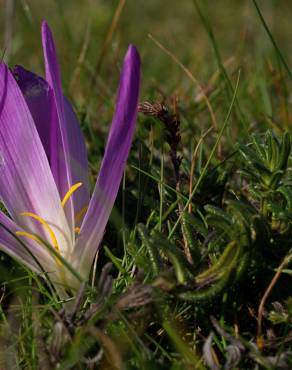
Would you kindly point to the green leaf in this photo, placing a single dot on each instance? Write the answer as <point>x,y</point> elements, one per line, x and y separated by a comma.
<point>176,256</point>
<point>219,275</point>
<point>221,266</point>
<point>259,148</point>
<point>190,236</point>
<point>286,191</point>
<point>285,150</point>
<point>152,249</point>
<point>275,179</point>
<point>218,212</point>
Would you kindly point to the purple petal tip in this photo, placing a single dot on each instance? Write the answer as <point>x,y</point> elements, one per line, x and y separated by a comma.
<point>47,35</point>
<point>45,25</point>
<point>133,54</point>
<point>29,83</point>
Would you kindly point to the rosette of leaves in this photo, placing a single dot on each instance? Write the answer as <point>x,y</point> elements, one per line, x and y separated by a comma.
<point>269,180</point>
<point>217,256</point>
<point>227,241</point>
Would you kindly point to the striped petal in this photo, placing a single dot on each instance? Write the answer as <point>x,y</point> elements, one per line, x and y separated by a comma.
<point>26,181</point>
<point>78,164</point>
<point>38,96</point>
<point>62,156</point>
<point>112,166</point>
<point>10,244</point>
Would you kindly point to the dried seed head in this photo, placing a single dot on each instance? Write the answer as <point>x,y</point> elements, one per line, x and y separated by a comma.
<point>152,109</point>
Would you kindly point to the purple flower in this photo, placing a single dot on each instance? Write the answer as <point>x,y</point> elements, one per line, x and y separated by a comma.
<point>44,171</point>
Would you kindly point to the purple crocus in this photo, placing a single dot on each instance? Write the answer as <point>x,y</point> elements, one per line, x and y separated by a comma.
<point>44,171</point>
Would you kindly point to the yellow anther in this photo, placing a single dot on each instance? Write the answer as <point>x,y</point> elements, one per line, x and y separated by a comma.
<point>77,230</point>
<point>28,235</point>
<point>70,192</point>
<point>47,227</point>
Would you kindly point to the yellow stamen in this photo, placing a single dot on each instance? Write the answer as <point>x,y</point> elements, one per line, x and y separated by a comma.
<point>70,192</point>
<point>46,225</point>
<point>28,235</point>
<point>80,214</point>
<point>35,238</point>
<point>77,230</point>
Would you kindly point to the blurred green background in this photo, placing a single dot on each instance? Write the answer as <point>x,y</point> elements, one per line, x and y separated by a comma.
<point>92,36</point>
<point>175,24</point>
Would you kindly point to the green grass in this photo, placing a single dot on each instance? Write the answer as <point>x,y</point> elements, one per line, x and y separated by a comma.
<point>194,271</point>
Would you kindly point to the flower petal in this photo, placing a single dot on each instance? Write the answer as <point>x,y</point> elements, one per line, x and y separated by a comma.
<point>10,244</point>
<point>61,163</point>
<point>112,166</point>
<point>33,255</point>
<point>26,181</point>
<point>78,163</point>
<point>38,96</point>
